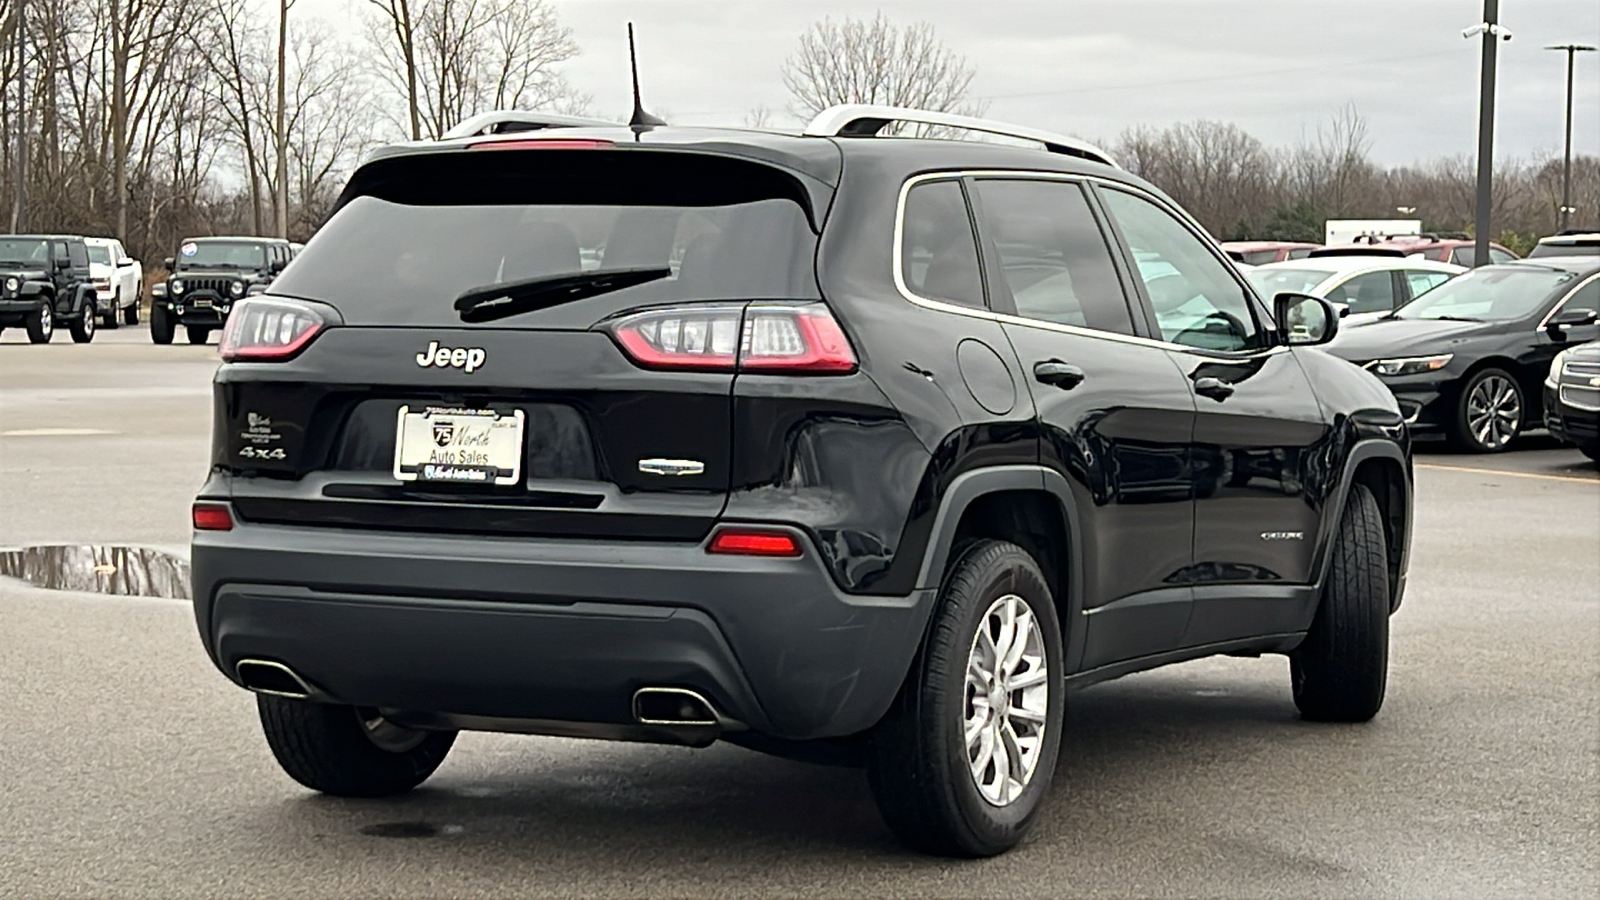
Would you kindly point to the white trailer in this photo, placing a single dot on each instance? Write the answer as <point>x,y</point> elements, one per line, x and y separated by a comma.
<point>1346,231</point>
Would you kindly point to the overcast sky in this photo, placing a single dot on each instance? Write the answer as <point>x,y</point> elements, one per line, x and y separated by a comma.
<point>1275,67</point>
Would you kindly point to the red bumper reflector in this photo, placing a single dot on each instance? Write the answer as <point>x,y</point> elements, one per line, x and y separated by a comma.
<point>754,542</point>
<point>212,517</point>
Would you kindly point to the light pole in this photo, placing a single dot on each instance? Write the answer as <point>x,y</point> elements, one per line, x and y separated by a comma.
<point>1491,31</point>
<point>1566,161</point>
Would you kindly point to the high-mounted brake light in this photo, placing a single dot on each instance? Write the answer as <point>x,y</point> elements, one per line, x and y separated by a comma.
<point>211,517</point>
<point>765,337</point>
<point>268,330</point>
<point>736,541</point>
<point>542,144</point>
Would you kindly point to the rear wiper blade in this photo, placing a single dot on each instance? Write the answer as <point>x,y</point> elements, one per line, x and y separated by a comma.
<point>497,301</point>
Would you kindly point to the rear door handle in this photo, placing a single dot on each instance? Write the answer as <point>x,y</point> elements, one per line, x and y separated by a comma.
<point>1215,388</point>
<point>1060,374</point>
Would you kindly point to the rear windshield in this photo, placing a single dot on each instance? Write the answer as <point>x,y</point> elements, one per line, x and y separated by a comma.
<point>1271,282</point>
<point>1585,248</point>
<point>404,258</point>
<point>221,254</point>
<point>99,254</point>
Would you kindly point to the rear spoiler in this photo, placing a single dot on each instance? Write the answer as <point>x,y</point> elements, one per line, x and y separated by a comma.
<point>1361,250</point>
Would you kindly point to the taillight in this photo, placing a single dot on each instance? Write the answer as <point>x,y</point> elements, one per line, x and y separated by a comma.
<point>765,337</point>
<point>211,517</point>
<point>739,541</point>
<point>270,329</point>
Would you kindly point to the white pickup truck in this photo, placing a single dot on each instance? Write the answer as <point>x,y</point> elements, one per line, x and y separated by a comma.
<point>118,282</point>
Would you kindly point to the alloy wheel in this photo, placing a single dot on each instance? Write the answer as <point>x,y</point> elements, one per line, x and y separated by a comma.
<point>1007,700</point>
<point>1494,412</point>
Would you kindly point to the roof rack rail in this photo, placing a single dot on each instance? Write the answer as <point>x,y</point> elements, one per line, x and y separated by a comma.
<point>866,120</point>
<point>503,121</point>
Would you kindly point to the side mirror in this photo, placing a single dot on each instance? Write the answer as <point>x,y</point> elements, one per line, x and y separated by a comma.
<point>1304,320</point>
<point>63,262</point>
<point>1571,318</point>
<point>169,263</point>
<point>124,262</point>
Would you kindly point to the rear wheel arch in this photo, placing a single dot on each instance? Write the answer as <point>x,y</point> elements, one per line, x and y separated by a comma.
<point>1029,506</point>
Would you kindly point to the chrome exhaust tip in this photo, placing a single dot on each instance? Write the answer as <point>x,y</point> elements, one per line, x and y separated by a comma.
<point>678,707</point>
<point>267,677</point>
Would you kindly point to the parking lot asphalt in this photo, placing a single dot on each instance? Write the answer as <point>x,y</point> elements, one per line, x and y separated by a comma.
<point>129,767</point>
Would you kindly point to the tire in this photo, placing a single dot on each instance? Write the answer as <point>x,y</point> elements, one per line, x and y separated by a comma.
<point>130,314</point>
<point>1590,450</point>
<point>1492,405</point>
<point>83,327</point>
<point>327,748</point>
<point>160,325</point>
<point>197,334</point>
<point>112,317</point>
<point>41,324</point>
<point>918,755</point>
<point>1340,670</point>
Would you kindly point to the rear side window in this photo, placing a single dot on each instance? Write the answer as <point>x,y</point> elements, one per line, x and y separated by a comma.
<point>1496,255</point>
<point>1259,257</point>
<point>1194,295</point>
<point>938,251</point>
<point>426,230</point>
<point>1053,257</point>
<point>1300,252</point>
<point>1368,292</point>
<point>78,253</point>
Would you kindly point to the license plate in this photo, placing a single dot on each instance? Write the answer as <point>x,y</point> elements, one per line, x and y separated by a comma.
<point>464,446</point>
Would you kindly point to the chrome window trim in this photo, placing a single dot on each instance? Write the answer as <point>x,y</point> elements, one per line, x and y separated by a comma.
<point>1563,302</point>
<point>992,316</point>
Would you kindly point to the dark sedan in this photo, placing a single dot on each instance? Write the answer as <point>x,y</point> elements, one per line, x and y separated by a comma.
<point>1467,360</point>
<point>1572,398</point>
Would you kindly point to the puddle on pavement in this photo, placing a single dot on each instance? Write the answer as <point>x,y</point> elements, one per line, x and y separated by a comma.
<point>100,569</point>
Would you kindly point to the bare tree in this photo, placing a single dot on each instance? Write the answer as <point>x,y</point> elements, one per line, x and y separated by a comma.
<point>280,132</point>
<point>858,61</point>
<point>236,61</point>
<point>451,59</point>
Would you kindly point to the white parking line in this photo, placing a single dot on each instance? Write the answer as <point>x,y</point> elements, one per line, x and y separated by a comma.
<point>54,432</point>
<point>1481,471</point>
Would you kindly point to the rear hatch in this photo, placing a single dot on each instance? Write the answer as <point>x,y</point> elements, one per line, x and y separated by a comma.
<point>545,332</point>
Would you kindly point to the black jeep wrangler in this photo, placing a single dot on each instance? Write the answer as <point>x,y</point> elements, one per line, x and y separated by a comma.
<point>811,443</point>
<point>207,277</point>
<point>44,280</point>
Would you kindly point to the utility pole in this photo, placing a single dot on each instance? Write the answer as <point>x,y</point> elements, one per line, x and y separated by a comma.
<point>1566,159</point>
<point>1491,33</point>
<point>19,204</point>
<point>280,138</point>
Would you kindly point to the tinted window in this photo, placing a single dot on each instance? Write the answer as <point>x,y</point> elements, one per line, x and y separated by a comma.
<point>1196,299</point>
<point>1053,257</point>
<point>1423,282</point>
<point>78,254</point>
<point>1498,294</point>
<point>1589,248</point>
<point>1369,292</point>
<point>1586,297</point>
<point>938,252</point>
<point>397,263</point>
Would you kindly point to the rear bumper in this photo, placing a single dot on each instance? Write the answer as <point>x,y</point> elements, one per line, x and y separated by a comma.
<point>553,629</point>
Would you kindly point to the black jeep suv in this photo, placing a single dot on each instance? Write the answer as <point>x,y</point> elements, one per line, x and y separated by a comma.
<point>207,278</point>
<point>44,279</point>
<point>820,442</point>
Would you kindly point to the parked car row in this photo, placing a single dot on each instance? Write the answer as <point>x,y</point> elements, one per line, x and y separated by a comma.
<point>49,280</point>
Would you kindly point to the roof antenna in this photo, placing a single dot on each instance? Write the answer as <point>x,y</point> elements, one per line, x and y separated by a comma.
<point>641,121</point>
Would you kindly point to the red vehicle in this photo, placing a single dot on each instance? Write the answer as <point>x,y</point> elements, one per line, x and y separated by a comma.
<point>1257,253</point>
<point>1456,250</point>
